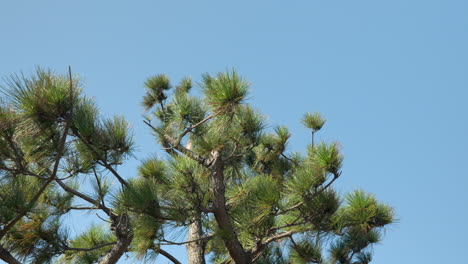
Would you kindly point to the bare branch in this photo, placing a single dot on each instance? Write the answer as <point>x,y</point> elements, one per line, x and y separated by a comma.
<point>101,193</point>
<point>83,208</point>
<point>167,255</point>
<point>83,196</point>
<point>167,242</point>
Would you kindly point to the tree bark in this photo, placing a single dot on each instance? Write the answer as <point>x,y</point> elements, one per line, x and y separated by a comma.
<point>236,251</point>
<point>124,233</point>
<point>7,257</point>
<point>196,249</point>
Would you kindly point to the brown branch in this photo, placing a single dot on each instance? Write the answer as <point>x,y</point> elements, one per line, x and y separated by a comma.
<point>103,162</point>
<point>196,125</point>
<point>289,159</point>
<point>23,171</point>
<point>101,193</point>
<point>170,243</point>
<point>92,248</point>
<point>259,248</point>
<point>18,159</point>
<point>124,233</point>
<point>116,174</point>
<point>83,208</point>
<point>167,255</point>
<point>230,239</point>
<point>7,257</point>
<point>83,196</point>
<point>300,252</point>
<point>175,144</point>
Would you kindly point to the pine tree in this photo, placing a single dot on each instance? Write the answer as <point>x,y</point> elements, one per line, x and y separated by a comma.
<point>51,138</point>
<point>237,189</point>
<point>226,179</point>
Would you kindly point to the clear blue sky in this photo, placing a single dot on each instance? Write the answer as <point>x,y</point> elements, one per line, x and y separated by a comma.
<point>390,76</point>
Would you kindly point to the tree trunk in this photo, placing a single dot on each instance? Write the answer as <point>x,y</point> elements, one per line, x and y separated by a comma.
<point>7,257</point>
<point>196,249</point>
<point>124,233</point>
<point>236,251</point>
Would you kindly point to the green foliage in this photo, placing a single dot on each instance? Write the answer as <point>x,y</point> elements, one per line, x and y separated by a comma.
<point>319,209</point>
<point>140,196</point>
<point>359,222</point>
<point>225,170</point>
<point>93,237</point>
<point>273,255</point>
<point>305,180</point>
<point>37,238</point>
<point>225,91</point>
<point>249,125</point>
<point>362,212</point>
<point>313,121</point>
<point>267,191</point>
<point>252,206</point>
<point>327,156</point>
<point>185,111</point>
<point>49,135</point>
<point>184,86</point>
<point>363,258</point>
<point>108,141</point>
<point>156,87</point>
<point>15,193</point>
<point>155,170</point>
<point>305,251</point>
<point>45,96</point>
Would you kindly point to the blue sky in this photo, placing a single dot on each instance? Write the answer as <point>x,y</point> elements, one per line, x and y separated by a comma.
<point>390,76</point>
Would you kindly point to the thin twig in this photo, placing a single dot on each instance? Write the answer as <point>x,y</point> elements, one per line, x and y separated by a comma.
<point>167,242</point>
<point>92,248</point>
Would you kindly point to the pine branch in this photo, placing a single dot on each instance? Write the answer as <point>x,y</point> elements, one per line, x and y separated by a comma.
<point>124,233</point>
<point>170,243</point>
<point>260,247</point>
<point>92,248</point>
<point>287,225</point>
<point>83,208</point>
<point>52,177</point>
<point>101,193</point>
<point>175,144</point>
<point>335,177</point>
<point>167,255</point>
<point>23,171</point>
<point>103,161</point>
<point>188,130</point>
<point>7,257</point>
<point>83,196</point>
<point>296,247</point>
